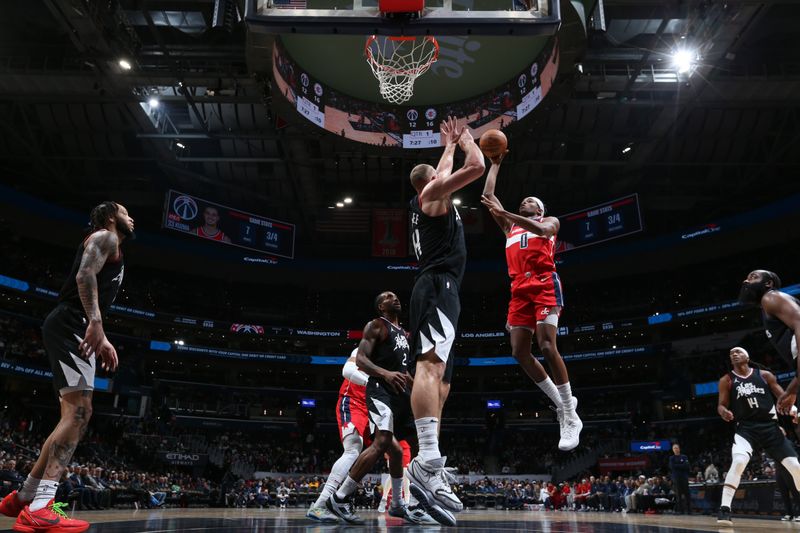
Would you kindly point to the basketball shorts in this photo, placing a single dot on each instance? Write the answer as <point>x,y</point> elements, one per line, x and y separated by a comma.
<point>351,414</point>
<point>762,435</point>
<point>62,333</point>
<point>535,299</point>
<point>389,411</point>
<point>435,308</point>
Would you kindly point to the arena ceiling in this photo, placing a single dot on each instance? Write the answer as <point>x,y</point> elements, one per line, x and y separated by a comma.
<point>75,126</point>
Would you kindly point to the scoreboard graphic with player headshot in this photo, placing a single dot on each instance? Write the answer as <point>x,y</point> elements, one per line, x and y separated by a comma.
<point>215,222</point>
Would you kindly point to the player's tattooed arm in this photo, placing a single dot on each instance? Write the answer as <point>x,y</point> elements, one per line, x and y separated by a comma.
<point>724,398</point>
<point>99,247</point>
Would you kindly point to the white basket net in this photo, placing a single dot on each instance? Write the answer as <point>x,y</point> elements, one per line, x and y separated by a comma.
<point>398,61</point>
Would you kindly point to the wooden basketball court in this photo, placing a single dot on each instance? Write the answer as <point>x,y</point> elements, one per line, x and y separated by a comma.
<point>294,520</point>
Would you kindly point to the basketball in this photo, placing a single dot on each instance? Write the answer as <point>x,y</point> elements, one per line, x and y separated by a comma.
<point>493,143</point>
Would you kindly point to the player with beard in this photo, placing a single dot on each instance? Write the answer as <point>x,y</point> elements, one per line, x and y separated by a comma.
<point>536,300</point>
<point>747,397</point>
<point>383,355</point>
<point>780,313</point>
<point>74,339</point>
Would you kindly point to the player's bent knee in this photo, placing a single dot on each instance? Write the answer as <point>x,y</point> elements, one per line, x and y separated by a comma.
<point>738,464</point>
<point>548,348</point>
<point>792,465</point>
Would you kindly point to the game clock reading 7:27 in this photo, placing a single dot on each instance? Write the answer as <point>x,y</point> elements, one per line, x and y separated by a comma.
<point>216,222</point>
<point>600,223</point>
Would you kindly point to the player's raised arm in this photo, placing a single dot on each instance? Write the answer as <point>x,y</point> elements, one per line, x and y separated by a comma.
<point>442,187</point>
<point>450,136</point>
<point>488,192</point>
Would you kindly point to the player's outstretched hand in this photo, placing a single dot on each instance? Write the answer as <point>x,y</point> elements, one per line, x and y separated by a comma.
<point>450,131</point>
<point>785,403</point>
<point>496,160</point>
<point>727,415</point>
<point>396,381</point>
<point>493,205</point>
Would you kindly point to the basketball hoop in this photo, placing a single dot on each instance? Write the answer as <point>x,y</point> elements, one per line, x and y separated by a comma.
<point>397,62</point>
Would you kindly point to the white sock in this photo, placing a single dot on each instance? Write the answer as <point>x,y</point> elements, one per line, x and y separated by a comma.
<point>727,496</point>
<point>347,488</point>
<point>28,491</point>
<point>428,436</point>
<point>397,492</point>
<point>565,392</point>
<point>549,388</point>
<point>45,492</point>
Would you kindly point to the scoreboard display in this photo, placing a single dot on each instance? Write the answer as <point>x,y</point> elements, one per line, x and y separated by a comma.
<point>599,223</point>
<point>215,222</point>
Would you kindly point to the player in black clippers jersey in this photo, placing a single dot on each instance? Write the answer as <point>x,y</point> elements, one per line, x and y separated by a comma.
<point>74,340</point>
<point>747,397</point>
<point>780,313</point>
<point>383,355</point>
<point>438,239</point>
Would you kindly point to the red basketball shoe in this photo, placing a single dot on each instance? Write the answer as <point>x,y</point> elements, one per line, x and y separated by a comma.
<point>11,506</point>
<point>51,519</point>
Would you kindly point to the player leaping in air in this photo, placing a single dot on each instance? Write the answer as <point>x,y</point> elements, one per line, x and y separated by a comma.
<point>536,299</point>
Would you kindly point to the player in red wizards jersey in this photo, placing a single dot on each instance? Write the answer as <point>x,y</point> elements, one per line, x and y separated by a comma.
<point>536,299</point>
<point>353,419</point>
<point>210,228</point>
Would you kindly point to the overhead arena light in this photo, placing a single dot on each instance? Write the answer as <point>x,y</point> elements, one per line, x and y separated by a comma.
<point>339,204</point>
<point>124,64</point>
<point>348,200</point>
<point>684,60</point>
<point>456,201</point>
<point>153,102</point>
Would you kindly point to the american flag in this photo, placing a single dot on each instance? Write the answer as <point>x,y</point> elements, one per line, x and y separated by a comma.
<point>289,4</point>
<point>348,220</point>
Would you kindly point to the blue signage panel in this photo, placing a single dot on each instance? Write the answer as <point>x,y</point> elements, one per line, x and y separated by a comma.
<point>651,446</point>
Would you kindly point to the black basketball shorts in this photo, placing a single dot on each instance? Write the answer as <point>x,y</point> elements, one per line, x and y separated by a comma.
<point>762,435</point>
<point>62,333</point>
<point>435,308</point>
<point>389,411</point>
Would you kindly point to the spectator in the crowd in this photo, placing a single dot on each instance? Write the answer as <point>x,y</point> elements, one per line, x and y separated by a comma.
<point>711,474</point>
